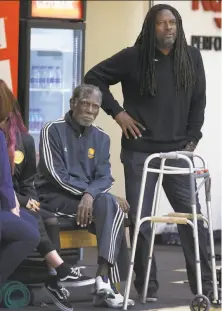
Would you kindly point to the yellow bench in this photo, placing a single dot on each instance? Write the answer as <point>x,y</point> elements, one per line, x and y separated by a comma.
<point>77,239</point>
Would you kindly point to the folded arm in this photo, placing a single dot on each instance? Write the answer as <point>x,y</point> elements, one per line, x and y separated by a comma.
<point>27,177</point>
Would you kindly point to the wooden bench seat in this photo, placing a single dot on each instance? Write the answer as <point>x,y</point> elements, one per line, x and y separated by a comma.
<point>71,236</point>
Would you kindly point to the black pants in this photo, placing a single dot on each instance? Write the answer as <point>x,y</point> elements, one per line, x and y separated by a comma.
<point>108,226</point>
<point>20,236</point>
<point>49,231</point>
<point>177,191</point>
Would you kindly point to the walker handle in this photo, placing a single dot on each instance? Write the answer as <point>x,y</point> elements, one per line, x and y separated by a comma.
<point>189,154</point>
<point>170,220</point>
<point>169,155</point>
<point>185,215</point>
<point>174,155</point>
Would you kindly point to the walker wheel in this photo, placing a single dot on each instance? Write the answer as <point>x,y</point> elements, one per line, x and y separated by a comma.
<point>200,303</point>
<point>215,303</point>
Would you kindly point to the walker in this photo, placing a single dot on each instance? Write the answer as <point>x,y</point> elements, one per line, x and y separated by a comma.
<point>199,301</point>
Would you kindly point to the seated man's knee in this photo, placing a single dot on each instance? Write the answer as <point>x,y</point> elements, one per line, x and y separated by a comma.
<point>106,199</point>
<point>106,204</point>
<point>52,221</point>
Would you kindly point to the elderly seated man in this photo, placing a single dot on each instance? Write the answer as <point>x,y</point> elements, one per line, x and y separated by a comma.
<point>74,177</point>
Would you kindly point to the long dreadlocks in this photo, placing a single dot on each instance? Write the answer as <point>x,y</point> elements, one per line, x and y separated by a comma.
<point>183,66</point>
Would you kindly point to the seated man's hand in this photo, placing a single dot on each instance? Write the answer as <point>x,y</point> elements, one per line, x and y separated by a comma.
<point>124,205</point>
<point>84,210</point>
<point>16,209</point>
<point>33,205</point>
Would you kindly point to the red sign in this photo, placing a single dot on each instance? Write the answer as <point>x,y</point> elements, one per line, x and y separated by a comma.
<point>9,41</point>
<point>58,9</point>
<point>211,5</point>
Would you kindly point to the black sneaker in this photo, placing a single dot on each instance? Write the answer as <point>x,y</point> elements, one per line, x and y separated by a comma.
<point>76,278</point>
<point>215,303</point>
<point>59,296</point>
<point>151,293</point>
<point>151,296</point>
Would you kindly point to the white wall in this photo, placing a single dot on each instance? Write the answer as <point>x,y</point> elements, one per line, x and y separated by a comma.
<point>201,23</point>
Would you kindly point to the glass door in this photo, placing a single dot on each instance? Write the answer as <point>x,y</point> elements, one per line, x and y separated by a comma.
<point>55,69</point>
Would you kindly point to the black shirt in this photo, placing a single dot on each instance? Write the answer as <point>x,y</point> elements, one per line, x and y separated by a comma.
<point>171,120</point>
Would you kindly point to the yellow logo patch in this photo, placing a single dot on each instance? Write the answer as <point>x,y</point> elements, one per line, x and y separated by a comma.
<point>19,157</point>
<point>91,153</point>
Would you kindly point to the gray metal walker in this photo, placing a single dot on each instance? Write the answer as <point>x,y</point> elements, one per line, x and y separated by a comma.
<point>176,218</point>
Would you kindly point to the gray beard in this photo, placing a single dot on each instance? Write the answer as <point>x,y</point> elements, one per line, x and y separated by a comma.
<point>85,123</point>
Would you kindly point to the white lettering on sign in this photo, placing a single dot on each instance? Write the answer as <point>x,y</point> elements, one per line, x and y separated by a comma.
<point>3,43</point>
<point>54,4</point>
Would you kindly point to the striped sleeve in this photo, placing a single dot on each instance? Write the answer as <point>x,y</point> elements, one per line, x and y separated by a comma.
<point>51,157</point>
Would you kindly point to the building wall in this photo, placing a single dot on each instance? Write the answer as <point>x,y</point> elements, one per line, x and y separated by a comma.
<point>114,25</point>
<point>110,27</point>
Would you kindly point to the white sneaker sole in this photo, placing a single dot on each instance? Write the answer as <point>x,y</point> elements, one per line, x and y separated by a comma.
<point>120,305</point>
<point>149,299</point>
<point>103,293</point>
<point>104,302</point>
<point>74,283</point>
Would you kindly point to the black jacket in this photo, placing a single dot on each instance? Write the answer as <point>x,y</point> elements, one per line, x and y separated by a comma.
<point>24,173</point>
<point>71,161</point>
<point>171,120</point>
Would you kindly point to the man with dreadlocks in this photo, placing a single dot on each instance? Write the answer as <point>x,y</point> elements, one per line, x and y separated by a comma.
<point>164,89</point>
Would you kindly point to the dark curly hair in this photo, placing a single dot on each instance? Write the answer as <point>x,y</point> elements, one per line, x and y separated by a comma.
<point>183,66</point>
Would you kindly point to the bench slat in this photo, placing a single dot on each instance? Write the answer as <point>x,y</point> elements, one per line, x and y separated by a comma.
<point>77,239</point>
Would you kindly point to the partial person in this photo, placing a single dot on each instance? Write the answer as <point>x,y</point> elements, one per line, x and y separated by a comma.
<point>17,237</point>
<point>21,150</point>
<point>74,177</point>
<point>164,92</point>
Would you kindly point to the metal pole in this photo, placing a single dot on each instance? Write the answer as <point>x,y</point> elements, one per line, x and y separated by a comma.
<point>151,3</point>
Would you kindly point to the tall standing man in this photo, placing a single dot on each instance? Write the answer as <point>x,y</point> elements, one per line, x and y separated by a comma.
<point>164,90</point>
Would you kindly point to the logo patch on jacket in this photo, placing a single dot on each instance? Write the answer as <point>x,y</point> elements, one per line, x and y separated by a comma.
<point>19,157</point>
<point>91,153</point>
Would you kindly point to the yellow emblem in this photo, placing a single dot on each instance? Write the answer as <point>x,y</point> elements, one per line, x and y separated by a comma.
<point>19,157</point>
<point>91,153</point>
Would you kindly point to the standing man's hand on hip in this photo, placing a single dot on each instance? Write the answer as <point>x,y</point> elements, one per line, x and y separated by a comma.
<point>190,147</point>
<point>129,125</point>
